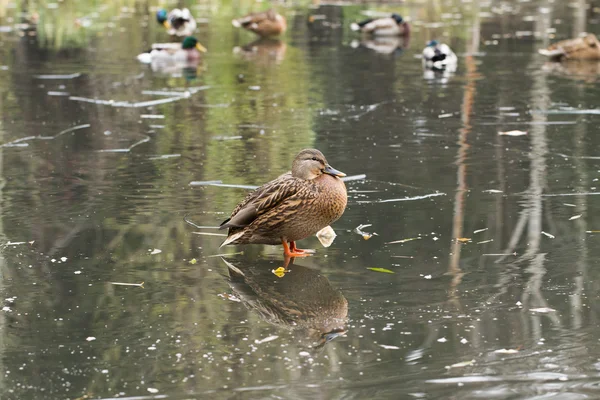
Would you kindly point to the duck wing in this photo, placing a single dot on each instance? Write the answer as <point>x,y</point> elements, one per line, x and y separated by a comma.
<point>379,24</point>
<point>268,197</point>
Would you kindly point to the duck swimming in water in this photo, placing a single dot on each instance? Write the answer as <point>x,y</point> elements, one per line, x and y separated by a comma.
<point>264,24</point>
<point>394,25</point>
<point>292,207</point>
<point>188,50</point>
<point>179,22</point>
<point>439,57</point>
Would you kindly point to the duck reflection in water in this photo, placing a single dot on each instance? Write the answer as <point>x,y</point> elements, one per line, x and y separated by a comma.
<point>384,44</point>
<point>301,300</point>
<point>264,51</point>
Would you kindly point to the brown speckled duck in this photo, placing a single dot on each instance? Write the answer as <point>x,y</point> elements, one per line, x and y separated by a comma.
<point>264,24</point>
<point>581,48</point>
<point>291,207</point>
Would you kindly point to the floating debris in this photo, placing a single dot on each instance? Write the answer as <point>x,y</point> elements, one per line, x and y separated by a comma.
<point>575,217</point>
<point>155,251</point>
<point>480,230</point>
<point>485,241</point>
<point>267,339</point>
<point>492,191</point>
<point>193,261</point>
<point>405,240</point>
<point>569,205</point>
<point>53,93</point>
<point>203,183</point>
<point>125,150</point>
<point>127,284</point>
<point>354,178</point>
<point>67,76</point>
<point>326,236</point>
<point>226,254</point>
<point>164,156</point>
<point>384,270</point>
<point>152,116</point>
<point>403,256</point>
<point>461,364</point>
<point>499,254</point>
<point>506,351</point>
<point>463,240</point>
<point>127,104</point>
<point>426,196</point>
<point>542,310</point>
<point>279,272</point>
<point>513,133</point>
<point>365,235</point>
<point>90,338</point>
<point>388,347</point>
<point>445,115</point>
<point>18,142</point>
<point>224,138</point>
<point>219,184</point>
<point>548,234</point>
<point>209,234</point>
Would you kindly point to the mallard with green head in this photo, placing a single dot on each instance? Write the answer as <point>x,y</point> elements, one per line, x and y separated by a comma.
<point>394,25</point>
<point>264,24</point>
<point>581,48</point>
<point>188,50</point>
<point>292,207</point>
<point>178,22</point>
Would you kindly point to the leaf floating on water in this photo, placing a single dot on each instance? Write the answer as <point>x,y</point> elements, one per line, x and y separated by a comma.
<point>542,310</point>
<point>575,217</point>
<point>127,284</point>
<point>279,272</point>
<point>506,351</point>
<point>387,271</point>
<point>463,240</point>
<point>388,347</point>
<point>193,261</point>
<point>461,364</point>
<point>404,240</point>
<point>267,339</point>
<point>155,251</point>
<point>326,236</point>
<point>549,235</point>
<point>513,133</point>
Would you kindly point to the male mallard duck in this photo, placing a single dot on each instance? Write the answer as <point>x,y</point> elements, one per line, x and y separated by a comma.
<point>267,23</point>
<point>439,57</point>
<point>179,22</point>
<point>188,50</point>
<point>302,300</point>
<point>582,48</point>
<point>394,25</point>
<point>291,207</point>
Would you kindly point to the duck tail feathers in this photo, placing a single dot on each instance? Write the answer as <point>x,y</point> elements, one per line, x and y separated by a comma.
<point>232,238</point>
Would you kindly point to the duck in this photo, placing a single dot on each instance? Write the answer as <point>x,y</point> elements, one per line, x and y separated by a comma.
<point>439,57</point>
<point>187,51</point>
<point>394,25</point>
<point>301,301</point>
<point>179,22</point>
<point>291,207</point>
<point>264,24</point>
<point>581,48</point>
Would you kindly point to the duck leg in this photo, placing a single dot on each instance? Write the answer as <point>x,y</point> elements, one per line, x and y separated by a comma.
<point>292,251</point>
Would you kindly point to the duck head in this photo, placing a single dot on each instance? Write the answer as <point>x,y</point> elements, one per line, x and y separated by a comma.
<point>311,163</point>
<point>162,18</point>
<point>190,43</point>
<point>432,43</point>
<point>398,18</point>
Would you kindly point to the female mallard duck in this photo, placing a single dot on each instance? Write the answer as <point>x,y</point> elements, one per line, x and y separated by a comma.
<point>582,48</point>
<point>291,207</point>
<point>264,24</point>
<point>439,57</point>
<point>394,25</point>
<point>186,51</point>
<point>179,22</point>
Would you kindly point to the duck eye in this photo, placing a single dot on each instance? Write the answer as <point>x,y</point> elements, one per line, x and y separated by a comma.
<point>315,159</point>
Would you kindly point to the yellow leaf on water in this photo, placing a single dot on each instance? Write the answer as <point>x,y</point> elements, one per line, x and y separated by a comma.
<point>193,261</point>
<point>387,271</point>
<point>463,240</point>
<point>279,272</point>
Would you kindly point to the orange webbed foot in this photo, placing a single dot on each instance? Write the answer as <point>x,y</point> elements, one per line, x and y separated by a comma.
<point>293,251</point>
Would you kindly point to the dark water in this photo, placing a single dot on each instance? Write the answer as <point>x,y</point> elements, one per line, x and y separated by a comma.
<point>457,319</point>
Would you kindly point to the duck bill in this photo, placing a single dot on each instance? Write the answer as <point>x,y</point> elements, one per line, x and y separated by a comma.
<point>201,48</point>
<point>333,172</point>
<point>167,25</point>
